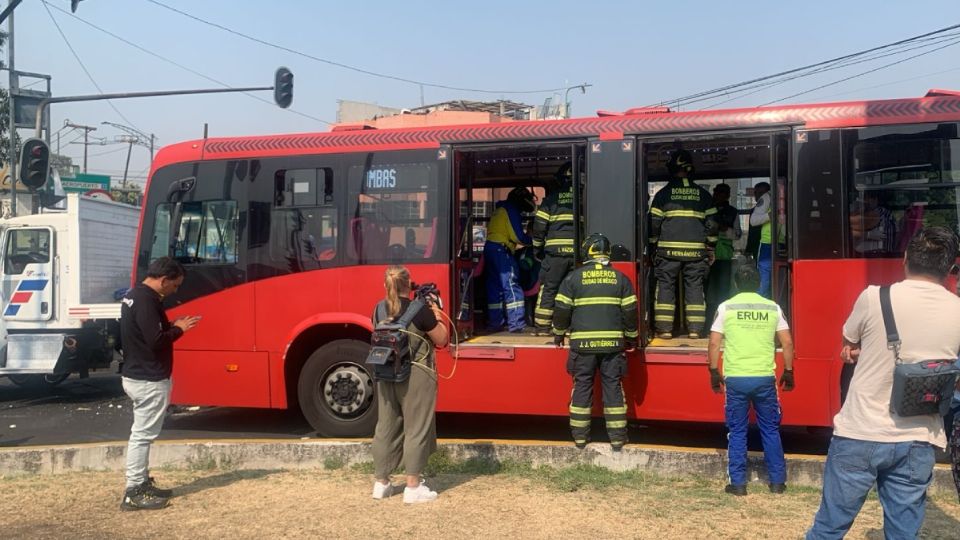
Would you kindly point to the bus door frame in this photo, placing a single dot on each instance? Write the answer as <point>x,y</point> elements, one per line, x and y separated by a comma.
<point>577,151</point>
<point>781,150</point>
<point>645,259</point>
<point>608,197</point>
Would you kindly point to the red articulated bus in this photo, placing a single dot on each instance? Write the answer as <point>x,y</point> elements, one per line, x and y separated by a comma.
<point>286,239</point>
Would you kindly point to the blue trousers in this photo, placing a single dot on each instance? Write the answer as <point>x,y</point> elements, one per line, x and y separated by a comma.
<point>761,392</point>
<point>765,267</point>
<point>504,295</point>
<point>902,472</point>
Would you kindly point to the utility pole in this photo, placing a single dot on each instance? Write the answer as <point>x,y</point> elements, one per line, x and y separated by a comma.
<point>86,139</point>
<point>130,141</point>
<point>12,166</point>
<point>139,137</point>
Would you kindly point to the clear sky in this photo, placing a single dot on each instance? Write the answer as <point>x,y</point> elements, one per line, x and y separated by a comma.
<point>633,53</point>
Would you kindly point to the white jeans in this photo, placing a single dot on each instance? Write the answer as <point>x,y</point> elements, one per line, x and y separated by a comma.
<point>150,401</point>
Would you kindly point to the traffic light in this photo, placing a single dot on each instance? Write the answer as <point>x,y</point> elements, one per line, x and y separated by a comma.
<point>34,163</point>
<point>283,87</point>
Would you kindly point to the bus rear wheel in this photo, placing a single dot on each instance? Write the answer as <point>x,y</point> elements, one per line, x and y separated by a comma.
<point>336,392</point>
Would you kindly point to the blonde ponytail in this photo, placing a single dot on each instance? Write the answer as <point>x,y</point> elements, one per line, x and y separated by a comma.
<point>397,282</point>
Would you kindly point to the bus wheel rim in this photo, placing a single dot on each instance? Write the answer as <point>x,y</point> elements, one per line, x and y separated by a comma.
<point>346,390</point>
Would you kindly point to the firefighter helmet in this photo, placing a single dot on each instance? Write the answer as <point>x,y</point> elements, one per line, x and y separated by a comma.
<point>523,198</point>
<point>565,173</point>
<point>680,161</point>
<point>596,245</point>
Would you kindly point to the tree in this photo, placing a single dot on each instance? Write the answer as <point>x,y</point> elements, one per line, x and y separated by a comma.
<point>63,165</point>
<point>5,111</point>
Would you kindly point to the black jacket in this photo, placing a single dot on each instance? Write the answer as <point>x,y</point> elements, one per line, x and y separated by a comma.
<point>147,336</point>
<point>682,223</point>
<point>597,304</point>
<point>553,226</point>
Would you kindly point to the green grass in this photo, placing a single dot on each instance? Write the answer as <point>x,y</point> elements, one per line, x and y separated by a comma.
<point>333,463</point>
<point>573,478</point>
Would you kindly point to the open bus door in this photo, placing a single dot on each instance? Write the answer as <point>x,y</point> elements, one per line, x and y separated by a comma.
<point>609,202</point>
<point>780,281</point>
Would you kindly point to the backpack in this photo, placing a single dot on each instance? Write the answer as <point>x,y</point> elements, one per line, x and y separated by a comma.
<point>390,355</point>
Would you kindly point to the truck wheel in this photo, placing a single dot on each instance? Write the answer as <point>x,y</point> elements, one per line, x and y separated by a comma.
<point>336,392</point>
<point>38,381</point>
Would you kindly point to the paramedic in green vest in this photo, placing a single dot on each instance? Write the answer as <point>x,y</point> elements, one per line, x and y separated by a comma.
<point>760,222</point>
<point>746,326</point>
<point>728,224</point>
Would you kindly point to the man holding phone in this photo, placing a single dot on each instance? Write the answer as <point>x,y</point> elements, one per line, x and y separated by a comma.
<point>147,337</point>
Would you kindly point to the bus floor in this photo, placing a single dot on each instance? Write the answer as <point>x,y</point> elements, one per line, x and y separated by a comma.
<point>678,343</point>
<point>529,339</point>
<point>523,339</point>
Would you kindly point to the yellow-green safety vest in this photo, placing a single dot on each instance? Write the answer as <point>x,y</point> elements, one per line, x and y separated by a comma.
<point>749,327</point>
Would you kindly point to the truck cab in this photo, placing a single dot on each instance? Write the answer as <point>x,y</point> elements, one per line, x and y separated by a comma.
<point>60,273</point>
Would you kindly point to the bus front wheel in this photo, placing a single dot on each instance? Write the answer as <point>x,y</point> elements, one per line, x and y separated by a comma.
<point>336,392</point>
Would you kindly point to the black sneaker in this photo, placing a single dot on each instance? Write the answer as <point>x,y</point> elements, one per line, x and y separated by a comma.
<point>778,488</point>
<point>739,491</point>
<point>150,486</point>
<point>139,499</point>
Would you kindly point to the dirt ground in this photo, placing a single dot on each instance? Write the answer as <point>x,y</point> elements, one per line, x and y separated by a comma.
<point>337,504</point>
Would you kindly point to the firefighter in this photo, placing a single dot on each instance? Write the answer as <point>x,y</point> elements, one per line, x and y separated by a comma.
<point>504,234</point>
<point>596,303</point>
<point>553,237</point>
<point>684,231</point>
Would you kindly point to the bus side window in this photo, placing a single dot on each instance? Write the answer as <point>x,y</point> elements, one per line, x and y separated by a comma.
<point>395,217</point>
<point>901,180</point>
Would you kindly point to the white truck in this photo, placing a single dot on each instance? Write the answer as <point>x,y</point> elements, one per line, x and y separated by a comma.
<point>62,273</point>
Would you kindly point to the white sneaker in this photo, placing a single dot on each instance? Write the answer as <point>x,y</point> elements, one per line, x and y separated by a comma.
<point>419,494</point>
<point>382,491</point>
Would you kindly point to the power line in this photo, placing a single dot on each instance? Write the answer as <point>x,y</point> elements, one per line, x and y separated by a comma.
<point>760,87</point>
<point>346,66</point>
<point>891,83</point>
<point>951,44</point>
<point>181,66</point>
<point>727,89</point>
<point>84,67</point>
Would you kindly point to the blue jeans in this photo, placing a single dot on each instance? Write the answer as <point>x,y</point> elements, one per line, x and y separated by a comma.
<point>902,472</point>
<point>765,267</point>
<point>761,392</point>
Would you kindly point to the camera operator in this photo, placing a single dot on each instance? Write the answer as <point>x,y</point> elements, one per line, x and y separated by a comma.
<point>406,430</point>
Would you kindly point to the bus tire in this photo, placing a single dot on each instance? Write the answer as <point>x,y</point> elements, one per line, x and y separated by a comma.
<point>336,392</point>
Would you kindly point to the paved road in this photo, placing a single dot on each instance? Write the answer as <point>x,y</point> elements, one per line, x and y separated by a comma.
<point>95,409</point>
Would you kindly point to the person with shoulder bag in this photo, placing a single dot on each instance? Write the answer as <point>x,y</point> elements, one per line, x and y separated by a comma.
<point>886,429</point>
<point>404,365</point>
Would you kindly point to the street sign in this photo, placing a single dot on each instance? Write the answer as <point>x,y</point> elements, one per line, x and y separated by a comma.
<point>83,183</point>
<point>25,106</point>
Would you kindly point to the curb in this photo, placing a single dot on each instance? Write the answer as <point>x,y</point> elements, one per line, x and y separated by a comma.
<point>248,454</point>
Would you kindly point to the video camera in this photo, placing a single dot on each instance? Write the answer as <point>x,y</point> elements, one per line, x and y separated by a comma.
<point>429,293</point>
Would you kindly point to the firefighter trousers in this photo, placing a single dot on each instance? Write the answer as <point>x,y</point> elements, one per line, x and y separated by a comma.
<point>694,273</point>
<point>583,368</point>
<point>552,271</point>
